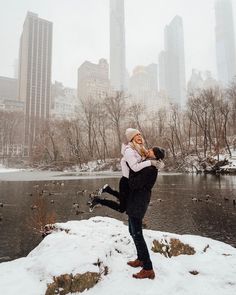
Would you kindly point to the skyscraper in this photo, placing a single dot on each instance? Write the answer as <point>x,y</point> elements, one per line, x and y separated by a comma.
<point>35,59</point>
<point>172,63</point>
<point>225,43</point>
<point>117,45</point>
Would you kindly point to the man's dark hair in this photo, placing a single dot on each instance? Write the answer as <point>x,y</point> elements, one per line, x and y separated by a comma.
<point>159,152</point>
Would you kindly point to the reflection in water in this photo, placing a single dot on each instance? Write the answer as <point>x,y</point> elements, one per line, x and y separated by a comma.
<point>172,209</point>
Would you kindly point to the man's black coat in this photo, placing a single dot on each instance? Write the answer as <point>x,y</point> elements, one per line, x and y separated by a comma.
<point>141,184</point>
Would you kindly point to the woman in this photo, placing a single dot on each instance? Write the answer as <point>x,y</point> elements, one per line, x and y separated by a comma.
<point>133,155</point>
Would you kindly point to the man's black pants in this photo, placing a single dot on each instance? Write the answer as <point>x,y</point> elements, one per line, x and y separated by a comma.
<point>136,232</point>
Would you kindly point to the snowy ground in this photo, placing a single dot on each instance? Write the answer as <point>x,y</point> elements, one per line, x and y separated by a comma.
<point>108,240</point>
<point>3,169</point>
<point>8,174</point>
<point>35,175</point>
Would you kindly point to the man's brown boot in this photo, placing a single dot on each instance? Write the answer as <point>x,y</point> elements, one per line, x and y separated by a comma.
<point>145,274</point>
<point>135,263</point>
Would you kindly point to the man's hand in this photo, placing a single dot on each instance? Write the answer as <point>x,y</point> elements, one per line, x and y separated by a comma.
<point>159,164</point>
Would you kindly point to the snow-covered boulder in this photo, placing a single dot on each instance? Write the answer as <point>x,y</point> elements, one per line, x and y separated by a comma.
<point>103,245</point>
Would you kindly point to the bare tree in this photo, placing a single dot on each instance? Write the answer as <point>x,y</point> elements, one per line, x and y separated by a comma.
<point>89,106</point>
<point>231,95</point>
<point>225,111</point>
<point>199,107</point>
<point>46,145</point>
<point>175,126</point>
<point>136,114</point>
<point>116,110</point>
<point>72,134</point>
<point>102,128</point>
<point>11,132</point>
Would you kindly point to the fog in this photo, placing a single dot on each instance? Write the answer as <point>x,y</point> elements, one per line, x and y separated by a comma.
<point>75,74</point>
<point>81,32</point>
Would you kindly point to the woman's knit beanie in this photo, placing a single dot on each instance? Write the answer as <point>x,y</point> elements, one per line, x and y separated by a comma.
<point>130,133</point>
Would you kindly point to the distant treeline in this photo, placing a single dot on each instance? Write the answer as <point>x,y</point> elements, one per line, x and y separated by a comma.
<point>206,126</point>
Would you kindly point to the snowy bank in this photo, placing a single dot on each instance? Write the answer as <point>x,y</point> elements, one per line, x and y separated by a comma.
<point>209,164</point>
<point>35,175</point>
<point>104,243</point>
<point>231,166</point>
<point>3,169</point>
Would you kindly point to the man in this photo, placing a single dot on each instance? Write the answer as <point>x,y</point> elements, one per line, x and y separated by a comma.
<point>140,184</point>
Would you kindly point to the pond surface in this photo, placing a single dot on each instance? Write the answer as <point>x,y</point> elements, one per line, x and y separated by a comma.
<point>184,204</point>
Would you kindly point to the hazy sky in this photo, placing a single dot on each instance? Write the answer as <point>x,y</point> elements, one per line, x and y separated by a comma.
<point>81,32</point>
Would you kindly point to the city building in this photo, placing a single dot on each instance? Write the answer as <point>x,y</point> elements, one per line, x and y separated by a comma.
<point>225,43</point>
<point>143,85</point>
<point>12,150</point>
<point>11,105</point>
<point>35,60</point>
<point>8,88</point>
<point>93,80</point>
<point>195,82</point>
<point>172,63</point>
<point>201,80</point>
<point>8,95</point>
<point>16,69</point>
<point>152,73</point>
<point>64,102</point>
<point>117,46</point>
<point>162,62</point>
<point>209,81</point>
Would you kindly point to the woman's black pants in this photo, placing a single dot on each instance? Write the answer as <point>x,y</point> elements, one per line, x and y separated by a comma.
<point>121,196</point>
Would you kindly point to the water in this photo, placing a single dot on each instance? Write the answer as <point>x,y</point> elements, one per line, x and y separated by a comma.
<point>172,208</point>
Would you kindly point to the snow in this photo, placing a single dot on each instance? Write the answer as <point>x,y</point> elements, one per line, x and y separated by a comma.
<point>107,240</point>
<point>232,163</point>
<point>3,169</point>
<point>36,175</point>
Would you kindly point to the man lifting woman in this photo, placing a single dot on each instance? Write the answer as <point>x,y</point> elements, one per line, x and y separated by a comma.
<point>139,172</point>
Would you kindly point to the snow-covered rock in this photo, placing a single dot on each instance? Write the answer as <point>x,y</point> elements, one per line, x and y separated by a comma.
<point>89,245</point>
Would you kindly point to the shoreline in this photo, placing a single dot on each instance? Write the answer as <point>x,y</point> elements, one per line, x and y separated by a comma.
<point>48,175</point>
<point>37,175</point>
